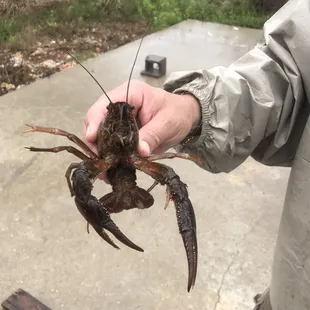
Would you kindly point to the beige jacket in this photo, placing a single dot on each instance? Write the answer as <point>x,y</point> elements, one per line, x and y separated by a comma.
<point>259,107</point>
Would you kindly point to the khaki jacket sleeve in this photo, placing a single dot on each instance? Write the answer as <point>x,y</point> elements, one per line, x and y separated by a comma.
<point>257,106</point>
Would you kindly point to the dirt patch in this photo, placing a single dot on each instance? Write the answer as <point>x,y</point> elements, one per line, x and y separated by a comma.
<point>19,67</point>
<point>12,8</point>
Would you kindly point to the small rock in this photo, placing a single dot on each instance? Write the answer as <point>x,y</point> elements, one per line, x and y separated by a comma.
<point>38,51</point>
<point>17,59</point>
<point>90,40</point>
<point>49,63</point>
<point>66,66</point>
<point>30,66</point>
<point>7,86</point>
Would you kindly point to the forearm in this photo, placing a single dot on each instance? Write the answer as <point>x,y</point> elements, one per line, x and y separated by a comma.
<point>241,106</point>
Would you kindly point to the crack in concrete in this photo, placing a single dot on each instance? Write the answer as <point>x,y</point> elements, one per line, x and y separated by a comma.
<point>222,281</point>
<point>19,172</point>
<point>218,300</point>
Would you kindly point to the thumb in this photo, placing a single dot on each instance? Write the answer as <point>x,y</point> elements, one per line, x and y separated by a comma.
<point>152,135</point>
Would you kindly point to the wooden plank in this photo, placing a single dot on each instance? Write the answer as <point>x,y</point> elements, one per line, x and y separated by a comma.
<point>21,300</point>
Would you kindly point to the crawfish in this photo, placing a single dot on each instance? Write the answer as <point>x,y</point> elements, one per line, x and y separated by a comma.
<point>118,157</point>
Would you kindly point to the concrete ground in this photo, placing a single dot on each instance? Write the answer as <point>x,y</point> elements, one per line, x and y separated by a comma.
<point>45,248</point>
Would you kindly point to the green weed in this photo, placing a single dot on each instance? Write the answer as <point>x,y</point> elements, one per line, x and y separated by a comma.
<point>71,15</point>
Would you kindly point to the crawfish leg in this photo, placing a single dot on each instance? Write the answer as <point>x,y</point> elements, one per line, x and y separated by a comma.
<point>152,186</point>
<point>57,149</point>
<point>184,209</point>
<point>69,149</point>
<point>192,158</point>
<point>60,132</point>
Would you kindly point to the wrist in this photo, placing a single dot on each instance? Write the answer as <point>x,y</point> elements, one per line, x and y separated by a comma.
<point>194,116</point>
<point>194,110</point>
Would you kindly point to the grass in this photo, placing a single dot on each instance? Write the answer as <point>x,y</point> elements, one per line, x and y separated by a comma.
<point>82,56</point>
<point>62,17</point>
<point>231,12</point>
<point>68,15</point>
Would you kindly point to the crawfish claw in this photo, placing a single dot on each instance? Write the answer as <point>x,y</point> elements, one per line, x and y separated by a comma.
<point>98,217</point>
<point>112,228</point>
<point>187,227</point>
<point>177,192</point>
<point>106,237</point>
<point>93,210</point>
<point>190,244</point>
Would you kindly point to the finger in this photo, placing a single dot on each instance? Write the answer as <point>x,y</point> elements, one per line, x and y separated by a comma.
<point>161,149</point>
<point>144,149</point>
<point>93,147</point>
<point>153,134</point>
<point>94,117</point>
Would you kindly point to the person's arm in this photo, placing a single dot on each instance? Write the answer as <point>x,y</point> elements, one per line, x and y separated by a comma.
<point>257,106</point>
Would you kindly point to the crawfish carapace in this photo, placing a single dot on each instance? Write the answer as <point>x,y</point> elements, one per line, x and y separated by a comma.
<point>118,157</point>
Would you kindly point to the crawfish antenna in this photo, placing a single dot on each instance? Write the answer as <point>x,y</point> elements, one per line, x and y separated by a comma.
<point>147,30</point>
<point>83,68</point>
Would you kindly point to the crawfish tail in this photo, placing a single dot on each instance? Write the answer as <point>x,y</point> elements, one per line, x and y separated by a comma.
<point>126,199</point>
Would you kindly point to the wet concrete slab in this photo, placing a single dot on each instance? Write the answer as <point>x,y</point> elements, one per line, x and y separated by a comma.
<point>45,248</point>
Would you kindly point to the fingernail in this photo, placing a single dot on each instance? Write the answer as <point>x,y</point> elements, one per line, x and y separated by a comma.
<point>145,148</point>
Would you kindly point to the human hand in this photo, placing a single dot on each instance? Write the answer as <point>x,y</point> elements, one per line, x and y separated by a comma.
<point>165,118</point>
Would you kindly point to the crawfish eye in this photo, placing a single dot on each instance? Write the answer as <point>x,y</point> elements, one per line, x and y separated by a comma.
<point>131,107</point>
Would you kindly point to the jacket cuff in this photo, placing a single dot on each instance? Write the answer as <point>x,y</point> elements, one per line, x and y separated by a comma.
<point>198,84</point>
